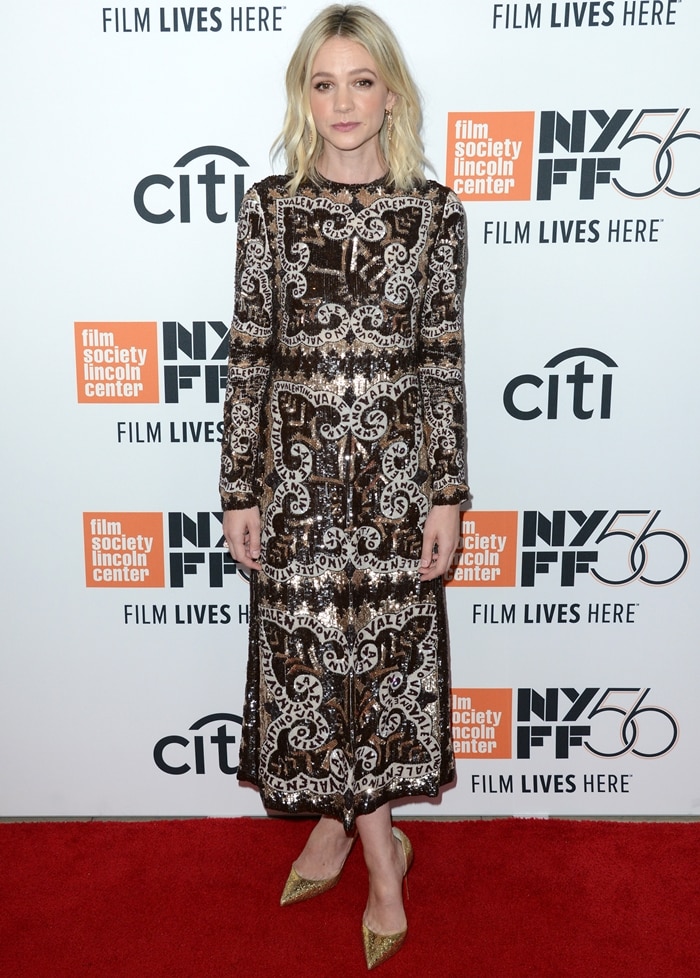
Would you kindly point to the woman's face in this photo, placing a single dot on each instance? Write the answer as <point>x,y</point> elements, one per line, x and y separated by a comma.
<point>348,97</point>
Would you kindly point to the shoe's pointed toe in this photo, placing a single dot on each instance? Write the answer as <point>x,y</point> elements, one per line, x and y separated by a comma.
<point>380,947</point>
<point>297,888</point>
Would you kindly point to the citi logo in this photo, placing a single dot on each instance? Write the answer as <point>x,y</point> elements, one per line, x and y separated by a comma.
<point>204,750</point>
<point>576,386</point>
<point>208,190</point>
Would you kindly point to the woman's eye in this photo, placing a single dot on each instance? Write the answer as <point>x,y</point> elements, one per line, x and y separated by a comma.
<point>365,82</point>
<point>322,86</point>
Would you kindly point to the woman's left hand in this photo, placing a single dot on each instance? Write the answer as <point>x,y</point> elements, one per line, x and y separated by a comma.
<point>440,539</point>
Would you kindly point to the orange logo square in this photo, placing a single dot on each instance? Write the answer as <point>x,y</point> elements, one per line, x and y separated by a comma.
<point>489,155</point>
<point>124,549</point>
<point>482,723</point>
<point>116,363</point>
<point>486,555</point>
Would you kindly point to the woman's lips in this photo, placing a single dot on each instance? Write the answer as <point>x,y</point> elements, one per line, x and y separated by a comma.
<point>345,126</point>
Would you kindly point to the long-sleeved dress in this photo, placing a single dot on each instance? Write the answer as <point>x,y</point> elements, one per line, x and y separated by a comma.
<point>344,422</point>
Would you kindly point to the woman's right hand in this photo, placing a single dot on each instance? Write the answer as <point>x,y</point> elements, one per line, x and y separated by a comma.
<point>242,533</point>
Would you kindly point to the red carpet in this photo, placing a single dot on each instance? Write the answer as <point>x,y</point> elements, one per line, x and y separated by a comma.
<point>488,899</point>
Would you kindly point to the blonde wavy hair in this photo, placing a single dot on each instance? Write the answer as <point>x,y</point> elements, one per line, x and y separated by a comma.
<point>299,141</point>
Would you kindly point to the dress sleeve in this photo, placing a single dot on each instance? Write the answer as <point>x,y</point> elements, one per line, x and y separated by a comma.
<point>249,357</point>
<point>441,358</point>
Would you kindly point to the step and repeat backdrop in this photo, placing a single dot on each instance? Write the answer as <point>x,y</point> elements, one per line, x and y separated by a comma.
<point>571,131</point>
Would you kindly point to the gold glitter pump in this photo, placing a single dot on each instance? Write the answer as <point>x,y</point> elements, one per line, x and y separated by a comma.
<point>380,947</point>
<point>297,888</point>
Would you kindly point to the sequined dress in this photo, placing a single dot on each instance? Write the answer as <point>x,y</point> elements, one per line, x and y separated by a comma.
<point>344,423</point>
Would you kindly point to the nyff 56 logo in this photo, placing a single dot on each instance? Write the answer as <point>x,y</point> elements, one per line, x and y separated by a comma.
<point>195,358</point>
<point>608,723</point>
<point>615,549</point>
<point>196,549</point>
<point>639,152</point>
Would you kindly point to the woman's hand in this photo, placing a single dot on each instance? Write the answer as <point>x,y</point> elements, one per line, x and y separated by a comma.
<point>242,533</point>
<point>440,539</point>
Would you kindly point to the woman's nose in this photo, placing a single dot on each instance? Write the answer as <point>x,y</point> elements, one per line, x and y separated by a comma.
<point>343,99</point>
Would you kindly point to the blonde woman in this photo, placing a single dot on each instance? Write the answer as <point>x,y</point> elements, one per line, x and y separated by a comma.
<point>343,464</point>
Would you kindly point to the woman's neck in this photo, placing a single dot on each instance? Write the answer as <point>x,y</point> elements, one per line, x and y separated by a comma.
<point>350,168</point>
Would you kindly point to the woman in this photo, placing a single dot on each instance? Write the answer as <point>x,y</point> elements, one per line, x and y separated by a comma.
<point>343,461</point>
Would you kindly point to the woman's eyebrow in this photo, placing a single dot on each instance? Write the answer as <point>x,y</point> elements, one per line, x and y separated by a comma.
<point>353,71</point>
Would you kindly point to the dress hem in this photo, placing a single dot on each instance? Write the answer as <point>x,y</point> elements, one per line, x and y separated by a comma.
<point>276,802</point>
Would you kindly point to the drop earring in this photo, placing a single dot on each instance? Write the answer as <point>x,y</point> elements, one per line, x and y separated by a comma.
<point>389,124</point>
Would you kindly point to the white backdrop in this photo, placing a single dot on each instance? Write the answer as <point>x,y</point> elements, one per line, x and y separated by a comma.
<point>127,142</point>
